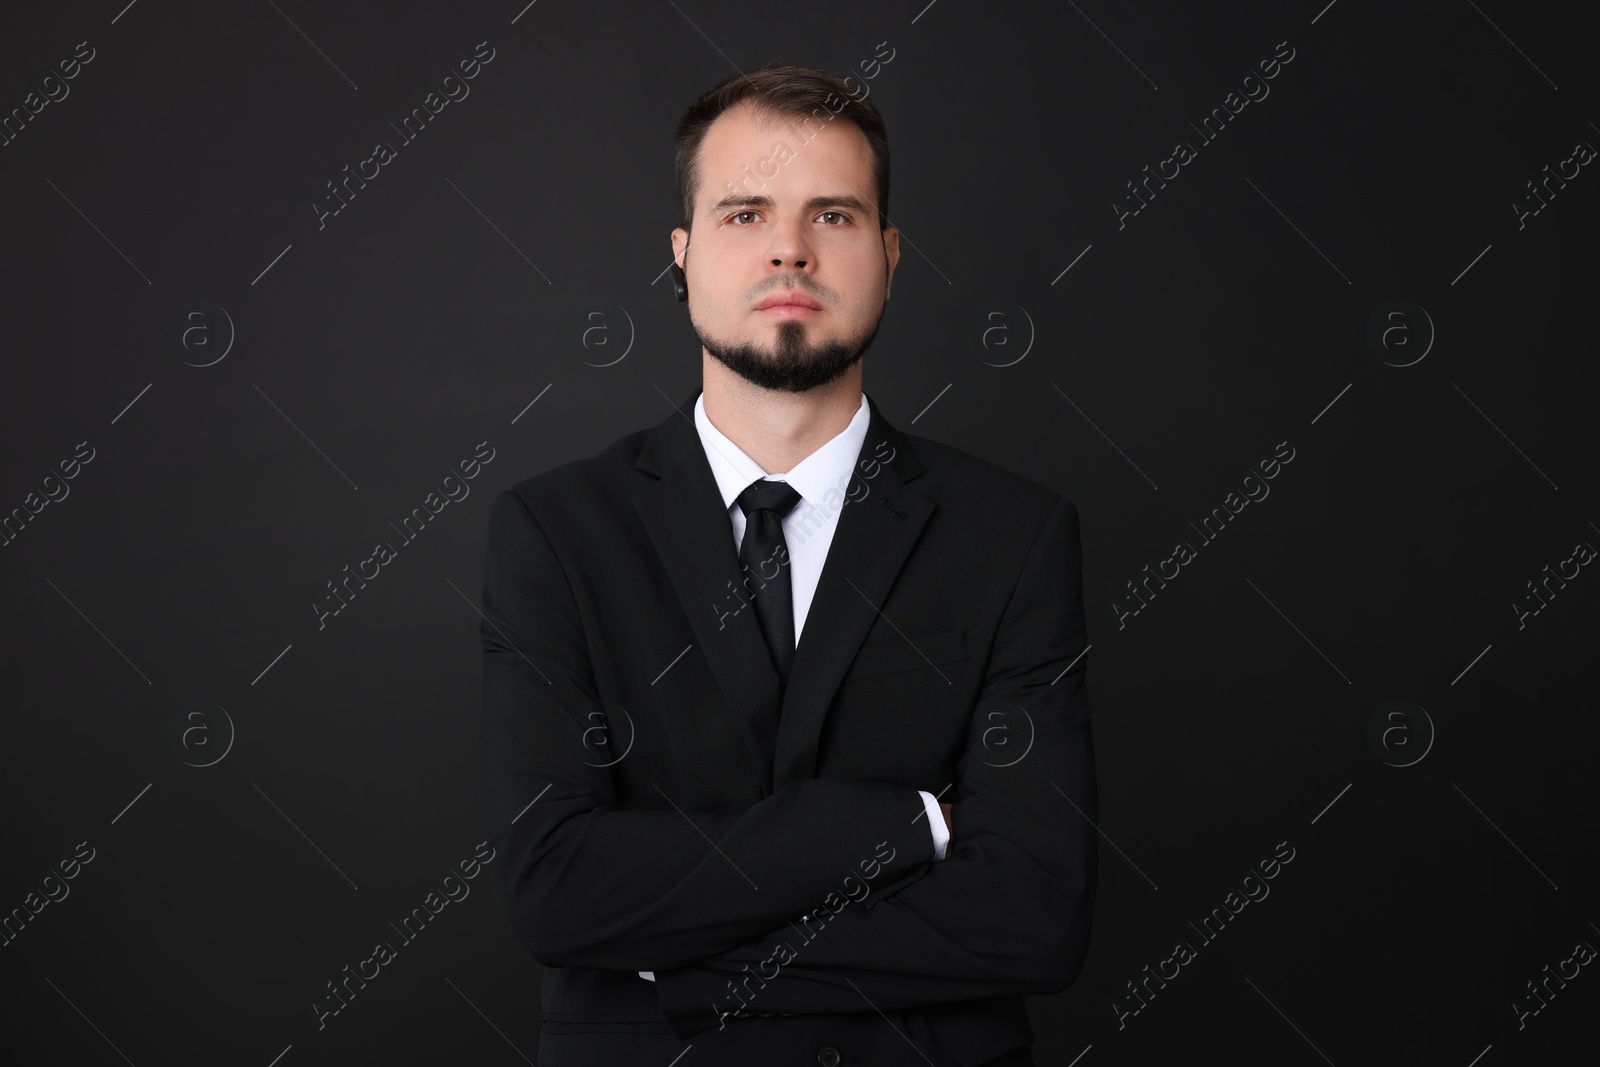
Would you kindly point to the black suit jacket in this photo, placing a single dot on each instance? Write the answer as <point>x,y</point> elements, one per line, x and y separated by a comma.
<point>654,809</point>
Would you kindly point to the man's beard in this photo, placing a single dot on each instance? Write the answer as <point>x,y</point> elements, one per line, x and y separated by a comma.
<point>795,366</point>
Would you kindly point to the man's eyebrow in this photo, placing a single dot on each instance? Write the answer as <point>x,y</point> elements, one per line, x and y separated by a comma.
<point>816,203</point>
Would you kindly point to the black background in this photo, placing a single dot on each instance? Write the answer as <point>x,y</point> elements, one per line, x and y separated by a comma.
<point>161,615</point>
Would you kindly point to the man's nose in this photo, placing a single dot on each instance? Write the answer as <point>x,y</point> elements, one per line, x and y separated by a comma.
<point>790,246</point>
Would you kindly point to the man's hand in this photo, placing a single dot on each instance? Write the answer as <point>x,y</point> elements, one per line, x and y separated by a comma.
<point>945,809</point>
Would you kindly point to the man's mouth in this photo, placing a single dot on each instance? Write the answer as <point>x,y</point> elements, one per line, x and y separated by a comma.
<point>788,304</point>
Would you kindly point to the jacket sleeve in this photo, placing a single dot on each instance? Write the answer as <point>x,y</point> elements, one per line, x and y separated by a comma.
<point>1008,912</point>
<point>586,884</point>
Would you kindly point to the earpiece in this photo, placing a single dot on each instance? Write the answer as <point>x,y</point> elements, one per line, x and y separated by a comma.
<point>680,284</point>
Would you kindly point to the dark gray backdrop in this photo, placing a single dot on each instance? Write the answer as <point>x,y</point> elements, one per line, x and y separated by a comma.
<point>264,392</point>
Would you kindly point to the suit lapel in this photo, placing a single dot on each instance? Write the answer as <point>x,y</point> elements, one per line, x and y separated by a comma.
<point>683,513</point>
<point>875,532</point>
<point>688,524</point>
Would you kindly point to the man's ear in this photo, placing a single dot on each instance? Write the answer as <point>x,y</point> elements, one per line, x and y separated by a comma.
<point>891,257</point>
<point>680,252</point>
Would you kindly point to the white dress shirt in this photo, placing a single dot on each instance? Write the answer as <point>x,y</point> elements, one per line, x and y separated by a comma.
<point>822,479</point>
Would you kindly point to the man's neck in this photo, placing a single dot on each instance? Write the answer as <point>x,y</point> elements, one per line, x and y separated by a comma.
<point>778,429</point>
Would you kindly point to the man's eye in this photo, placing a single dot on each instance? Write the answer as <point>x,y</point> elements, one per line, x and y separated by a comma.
<point>841,216</point>
<point>737,215</point>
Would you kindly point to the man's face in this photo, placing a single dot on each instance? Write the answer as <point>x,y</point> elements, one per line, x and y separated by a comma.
<point>779,216</point>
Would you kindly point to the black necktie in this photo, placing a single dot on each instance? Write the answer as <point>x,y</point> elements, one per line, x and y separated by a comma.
<point>765,556</point>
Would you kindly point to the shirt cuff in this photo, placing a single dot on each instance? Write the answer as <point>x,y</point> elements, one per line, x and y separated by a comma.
<point>941,835</point>
<point>648,974</point>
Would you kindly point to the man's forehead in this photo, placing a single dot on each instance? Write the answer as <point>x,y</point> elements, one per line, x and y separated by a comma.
<point>752,142</point>
<point>747,115</point>
<point>745,121</point>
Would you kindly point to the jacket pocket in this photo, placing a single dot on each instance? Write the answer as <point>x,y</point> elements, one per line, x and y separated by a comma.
<point>567,1023</point>
<point>910,652</point>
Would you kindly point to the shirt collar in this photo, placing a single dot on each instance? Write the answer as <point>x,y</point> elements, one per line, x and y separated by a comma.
<point>823,471</point>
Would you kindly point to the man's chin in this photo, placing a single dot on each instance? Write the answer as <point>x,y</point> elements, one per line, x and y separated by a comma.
<point>787,371</point>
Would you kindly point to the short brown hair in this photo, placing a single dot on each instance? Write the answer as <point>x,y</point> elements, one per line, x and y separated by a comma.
<point>781,91</point>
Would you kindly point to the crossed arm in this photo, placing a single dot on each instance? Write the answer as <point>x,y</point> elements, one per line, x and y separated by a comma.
<point>938,824</point>
<point>1006,912</point>
<point>1009,910</point>
<point>588,885</point>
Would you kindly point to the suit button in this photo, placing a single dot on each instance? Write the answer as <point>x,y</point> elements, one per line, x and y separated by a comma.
<point>828,1056</point>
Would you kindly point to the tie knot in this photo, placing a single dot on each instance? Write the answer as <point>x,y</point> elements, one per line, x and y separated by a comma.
<point>766,494</point>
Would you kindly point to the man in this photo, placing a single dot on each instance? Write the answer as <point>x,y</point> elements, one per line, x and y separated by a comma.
<point>821,790</point>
